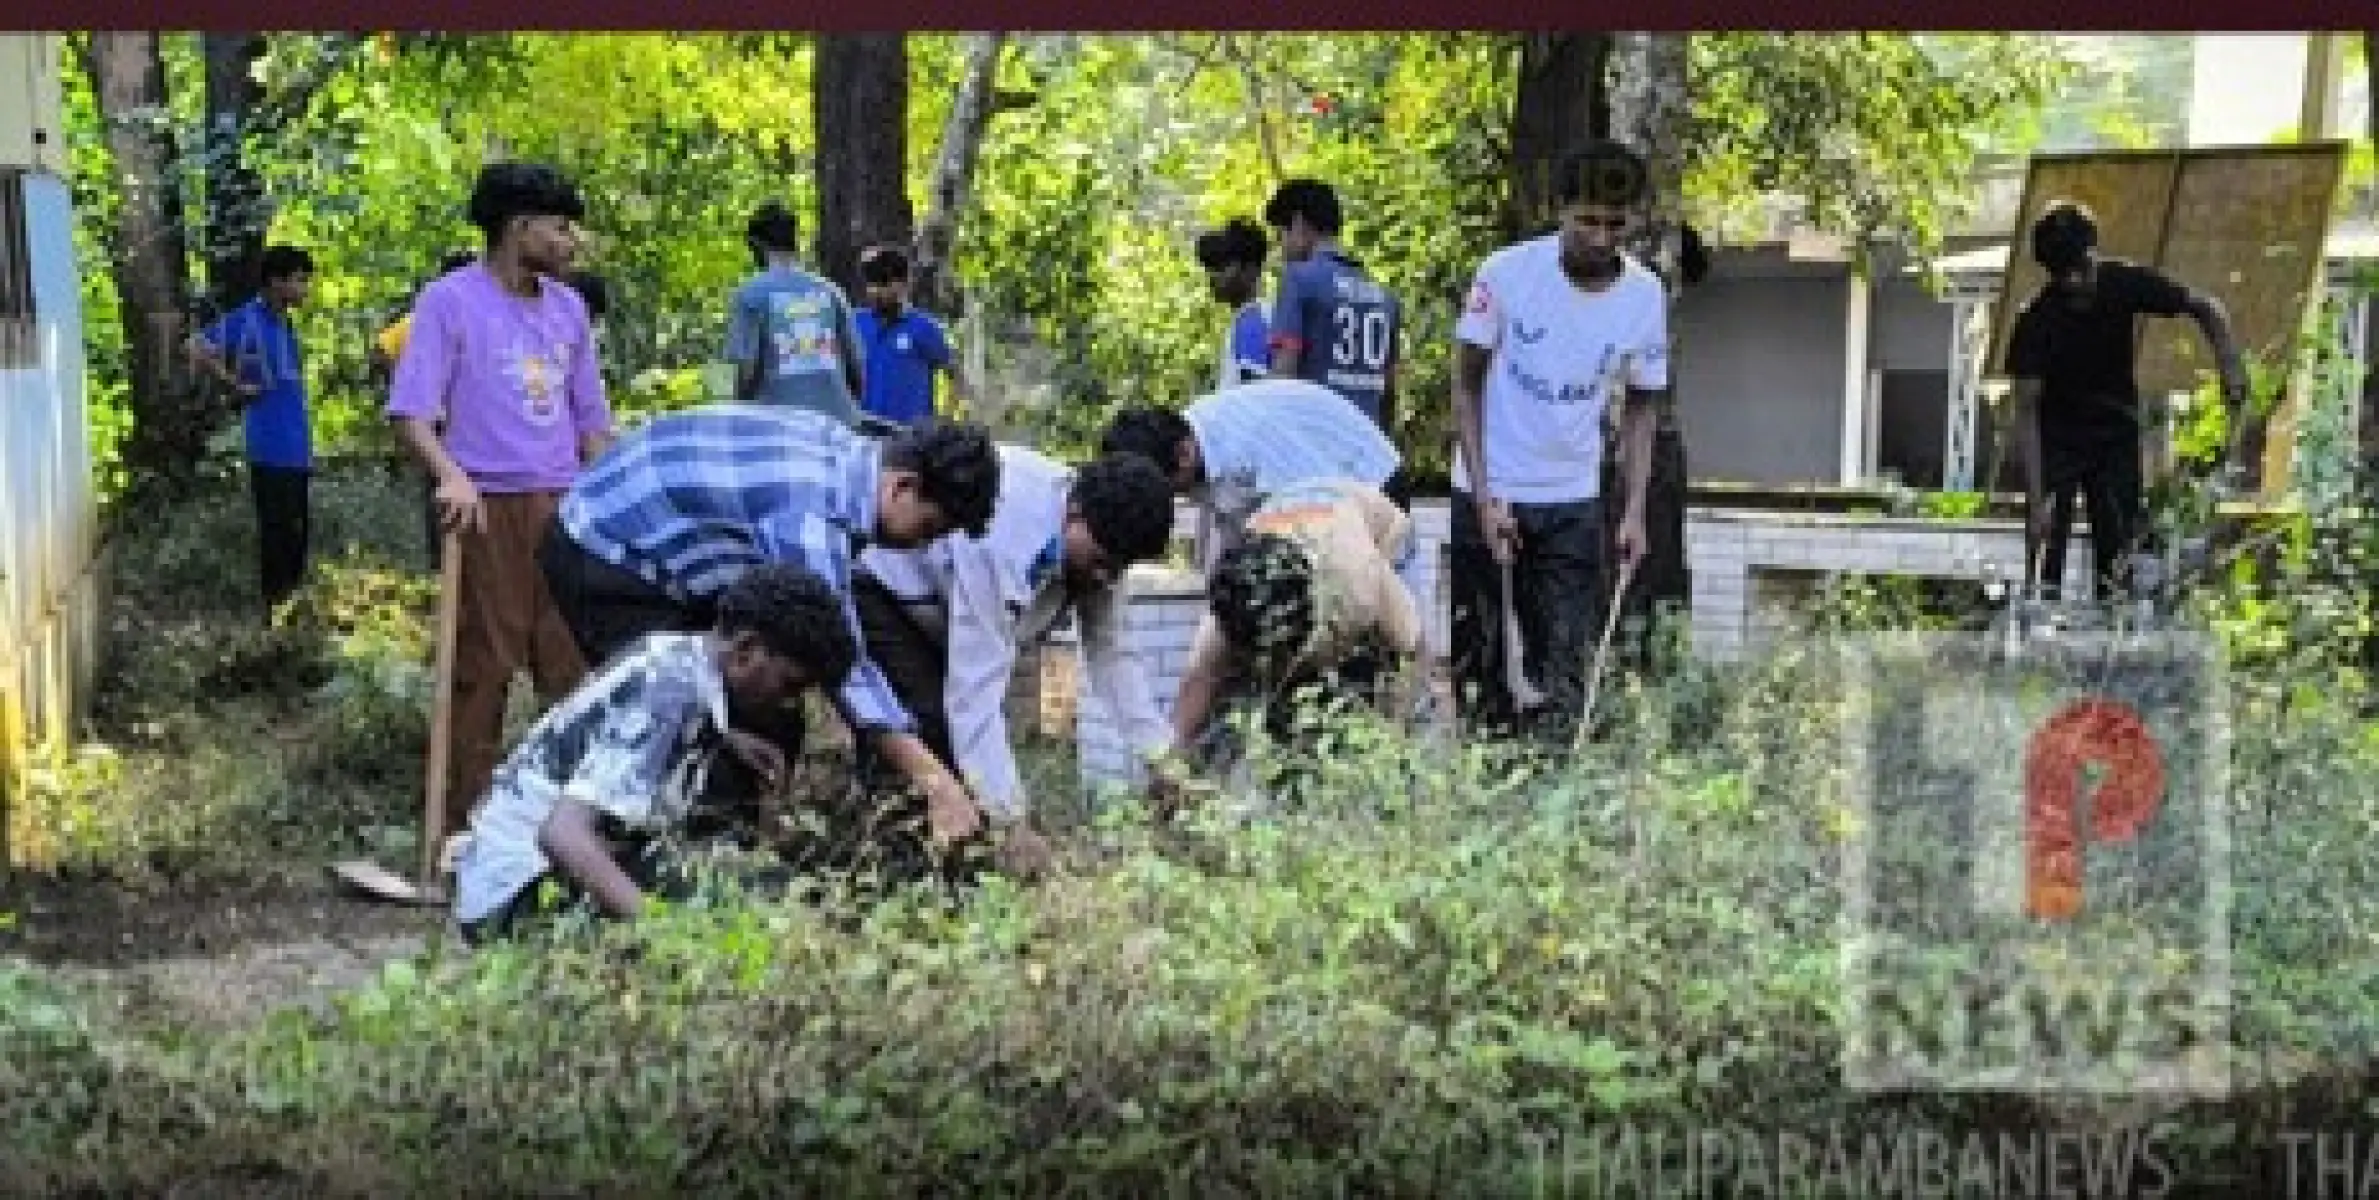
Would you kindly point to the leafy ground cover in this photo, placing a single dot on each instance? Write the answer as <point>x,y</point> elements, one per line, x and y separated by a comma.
<point>1452,971</point>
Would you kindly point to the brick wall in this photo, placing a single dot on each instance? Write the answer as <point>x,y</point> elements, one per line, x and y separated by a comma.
<point>1729,550</point>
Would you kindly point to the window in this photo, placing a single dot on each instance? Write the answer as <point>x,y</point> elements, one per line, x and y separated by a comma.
<point>19,348</point>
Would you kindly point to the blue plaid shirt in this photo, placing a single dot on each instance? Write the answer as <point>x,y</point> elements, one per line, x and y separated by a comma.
<point>694,498</point>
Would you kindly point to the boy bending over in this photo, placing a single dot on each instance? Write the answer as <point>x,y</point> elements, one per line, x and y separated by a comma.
<point>1312,598</point>
<point>590,796</point>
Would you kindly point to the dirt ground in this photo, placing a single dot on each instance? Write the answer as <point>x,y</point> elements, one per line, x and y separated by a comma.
<point>209,953</point>
<point>217,950</point>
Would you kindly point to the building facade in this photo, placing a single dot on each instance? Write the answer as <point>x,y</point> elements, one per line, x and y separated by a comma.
<point>50,587</point>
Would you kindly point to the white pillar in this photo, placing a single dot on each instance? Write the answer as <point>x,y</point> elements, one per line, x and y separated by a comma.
<point>1856,320</point>
<point>1965,391</point>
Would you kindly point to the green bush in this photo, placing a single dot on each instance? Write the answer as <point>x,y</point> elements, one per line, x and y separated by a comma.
<point>1439,964</point>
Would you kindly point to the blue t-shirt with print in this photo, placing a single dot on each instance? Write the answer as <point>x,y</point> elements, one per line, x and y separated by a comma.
<point>258,344</point>
<point>1344,325</point>
<point>902,355</point>
<point>798,328</point>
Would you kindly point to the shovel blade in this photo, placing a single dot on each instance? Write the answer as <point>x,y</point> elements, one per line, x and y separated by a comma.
<point>379,883</point>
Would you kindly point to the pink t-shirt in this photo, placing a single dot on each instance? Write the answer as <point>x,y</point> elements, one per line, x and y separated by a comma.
<point>513,377</point>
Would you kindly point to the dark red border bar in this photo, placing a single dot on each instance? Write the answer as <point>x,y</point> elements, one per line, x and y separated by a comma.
<point>2225,16</point>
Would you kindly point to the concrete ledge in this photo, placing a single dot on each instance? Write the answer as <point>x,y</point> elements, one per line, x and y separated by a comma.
<point>1732,552</point>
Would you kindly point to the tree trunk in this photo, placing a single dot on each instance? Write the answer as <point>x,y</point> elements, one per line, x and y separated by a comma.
<point>1649,111</point>
<point>237,209</point>
<point>954,175</point>
<point>1562,99</point>
<point>859,101</point>
<point>148,258</point>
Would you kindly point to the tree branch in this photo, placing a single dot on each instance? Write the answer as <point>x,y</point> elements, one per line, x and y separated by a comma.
<point>288,102</point>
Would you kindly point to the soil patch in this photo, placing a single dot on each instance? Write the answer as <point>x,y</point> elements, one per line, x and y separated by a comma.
<point>112,921</point>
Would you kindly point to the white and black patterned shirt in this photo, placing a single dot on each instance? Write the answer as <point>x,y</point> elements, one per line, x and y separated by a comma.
<point>631,743</point>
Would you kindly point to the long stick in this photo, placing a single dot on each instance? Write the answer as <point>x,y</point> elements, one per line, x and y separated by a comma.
<point>433,814</point>
<point>1602,651</point>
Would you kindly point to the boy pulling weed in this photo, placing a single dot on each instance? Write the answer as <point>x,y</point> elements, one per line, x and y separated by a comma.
<point>589,798</point>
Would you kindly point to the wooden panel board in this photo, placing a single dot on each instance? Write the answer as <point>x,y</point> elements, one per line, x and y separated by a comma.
<point>2244,223</point>
<point>2249,229</point>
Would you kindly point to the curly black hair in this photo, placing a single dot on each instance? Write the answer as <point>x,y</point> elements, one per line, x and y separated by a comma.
<point>1128,504</point>
<point>957,467</point>
<point>1239,241</point>
<point>1311,199</point>
<point>506,190</point>
<point>795,614</point>
<point>1155,434</point>
<point>1261,596</point>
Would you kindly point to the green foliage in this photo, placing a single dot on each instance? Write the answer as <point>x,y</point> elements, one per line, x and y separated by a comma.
<point>1442,961</point>
<point>1074,255</point>
<point>1875,134</point>
<point>222,740</point>
<point>1953,505</point>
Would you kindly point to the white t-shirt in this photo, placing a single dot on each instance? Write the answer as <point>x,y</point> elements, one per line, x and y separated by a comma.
<point>1559,353</point>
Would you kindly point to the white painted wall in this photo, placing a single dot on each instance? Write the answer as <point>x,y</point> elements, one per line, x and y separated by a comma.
<point>49,532</point>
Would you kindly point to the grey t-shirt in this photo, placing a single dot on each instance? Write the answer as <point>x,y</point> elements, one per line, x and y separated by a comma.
<point>799,328</point>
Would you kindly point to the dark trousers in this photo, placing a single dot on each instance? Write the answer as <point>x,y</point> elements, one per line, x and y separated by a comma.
<point>888,826</point>
<point>1557,585</point>
<point>608,609</point>
<point>2107,477</point>
<point>284,526</point>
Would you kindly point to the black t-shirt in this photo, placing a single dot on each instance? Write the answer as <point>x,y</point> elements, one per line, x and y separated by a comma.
<point>2085,350</point>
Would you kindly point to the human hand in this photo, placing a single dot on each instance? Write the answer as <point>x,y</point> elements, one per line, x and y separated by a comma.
<point>763,756</point>
<point>1630,540</point>
<point>1024,853</point>
<point>950,813</point>
<point>458,503</point>
<point>1499,529</point>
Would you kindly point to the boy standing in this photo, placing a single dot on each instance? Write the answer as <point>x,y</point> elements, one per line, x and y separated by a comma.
<point>1557,329</point>
<point>254,350</point>
<point>906,348</point>
<point>1233,258</point>
<point>791,333</point>
<point>1332,323</point>
<point>589,797</point>
<point>503,353</point>
<point>2074,359</point>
